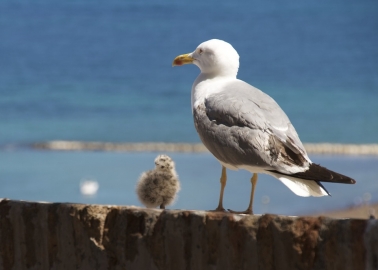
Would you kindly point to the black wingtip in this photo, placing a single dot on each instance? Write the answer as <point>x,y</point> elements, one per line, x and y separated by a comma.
<point>321,174</point>
<point>325,175</point>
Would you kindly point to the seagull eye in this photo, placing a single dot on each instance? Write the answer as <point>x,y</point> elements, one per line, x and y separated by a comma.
<point>200,51</point>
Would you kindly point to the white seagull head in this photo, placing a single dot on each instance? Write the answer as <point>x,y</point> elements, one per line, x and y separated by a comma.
<point>214,57</point>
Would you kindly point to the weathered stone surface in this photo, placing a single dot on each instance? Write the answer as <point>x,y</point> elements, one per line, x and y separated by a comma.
<point>364,211</point>
<point>74,236</point>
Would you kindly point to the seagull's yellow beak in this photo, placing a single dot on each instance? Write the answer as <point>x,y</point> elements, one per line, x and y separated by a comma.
<point>183,59</point>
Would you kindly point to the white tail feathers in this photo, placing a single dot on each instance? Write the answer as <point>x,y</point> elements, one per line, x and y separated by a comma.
<point>301,187</point>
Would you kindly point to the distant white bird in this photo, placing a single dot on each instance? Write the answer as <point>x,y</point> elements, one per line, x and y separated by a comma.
<point>158,187</point>
<point>89,187</point>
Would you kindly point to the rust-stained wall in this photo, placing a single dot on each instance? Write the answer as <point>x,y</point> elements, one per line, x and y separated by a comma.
<point>74,236</point>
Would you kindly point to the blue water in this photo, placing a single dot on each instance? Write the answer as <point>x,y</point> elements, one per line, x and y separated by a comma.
<point>23,178</point>
<point>101,71</point>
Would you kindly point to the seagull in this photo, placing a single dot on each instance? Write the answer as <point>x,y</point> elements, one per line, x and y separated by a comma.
<point>244,128</point>
<point>158,187</point>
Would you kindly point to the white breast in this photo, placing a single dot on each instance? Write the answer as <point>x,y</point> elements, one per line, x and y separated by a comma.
<point>204,86</point>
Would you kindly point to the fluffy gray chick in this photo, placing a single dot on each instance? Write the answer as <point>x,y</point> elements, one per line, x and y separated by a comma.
<point>158,187</point>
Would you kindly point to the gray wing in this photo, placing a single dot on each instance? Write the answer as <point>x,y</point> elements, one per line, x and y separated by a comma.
<point>244,118</point>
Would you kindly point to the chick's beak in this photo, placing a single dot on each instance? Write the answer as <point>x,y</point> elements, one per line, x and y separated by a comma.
<point>183,59</point>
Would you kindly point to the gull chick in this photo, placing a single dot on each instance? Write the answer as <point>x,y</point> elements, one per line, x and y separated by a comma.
<point>158,187</point>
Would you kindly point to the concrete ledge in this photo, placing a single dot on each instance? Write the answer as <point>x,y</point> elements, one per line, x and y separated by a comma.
<point>74,236</point>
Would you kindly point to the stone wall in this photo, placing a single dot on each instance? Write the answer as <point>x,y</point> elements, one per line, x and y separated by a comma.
<point>74,236</point>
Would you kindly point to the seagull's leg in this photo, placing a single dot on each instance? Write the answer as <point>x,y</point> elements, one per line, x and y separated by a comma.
<point>253,182</point>
<point>249,209</point>
<point>223,181</point>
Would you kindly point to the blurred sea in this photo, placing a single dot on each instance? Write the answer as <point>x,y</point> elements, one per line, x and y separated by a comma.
<point>101,71</point>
